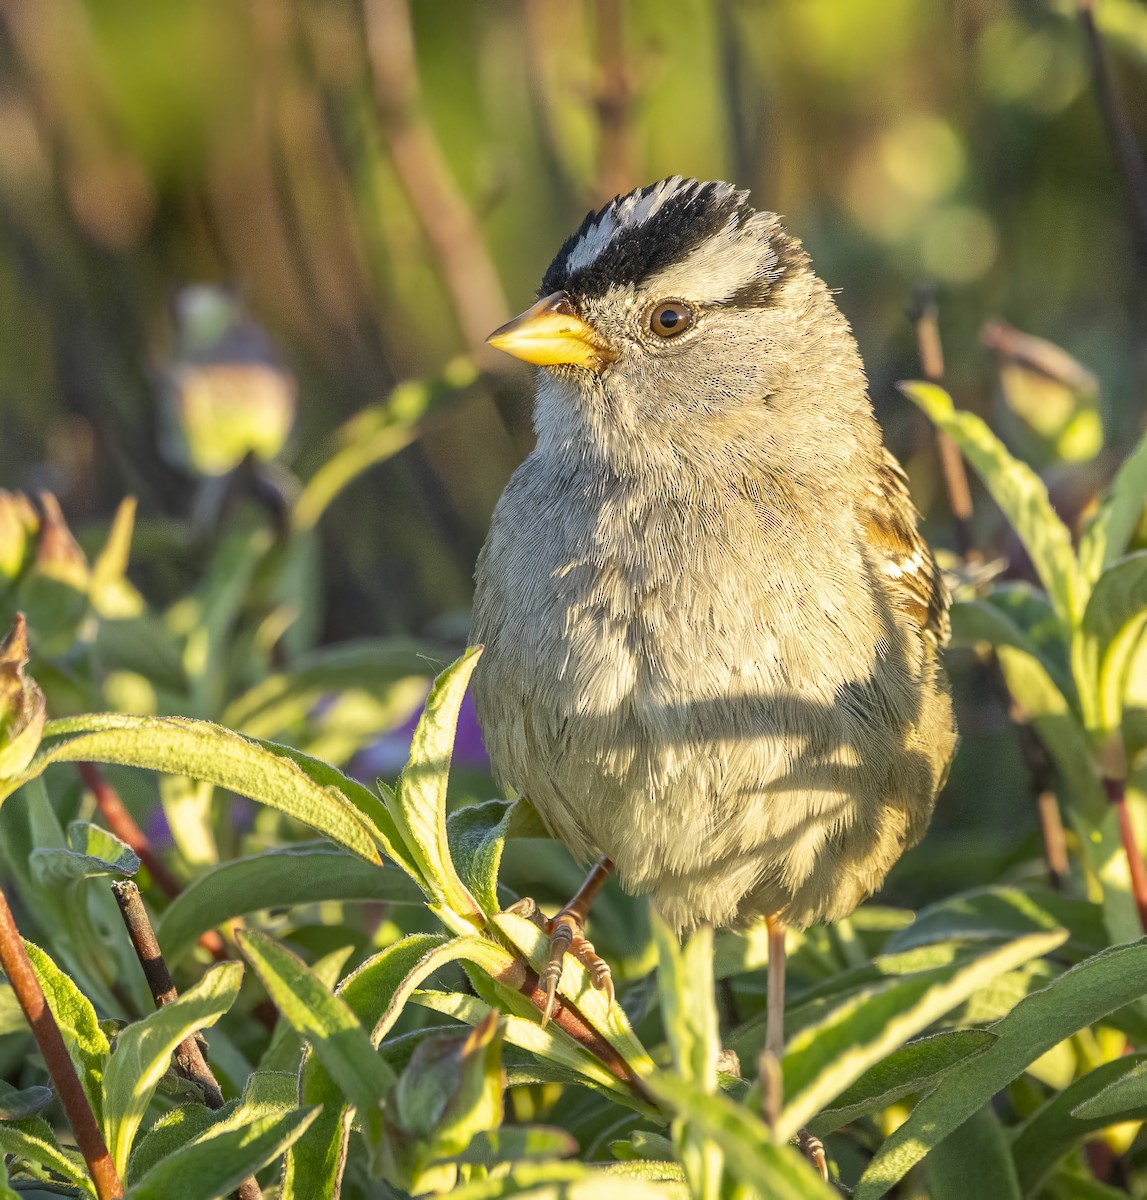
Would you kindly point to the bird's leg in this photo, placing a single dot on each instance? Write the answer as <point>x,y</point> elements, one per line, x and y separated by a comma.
<point>775,1011</point>
<point>567,936</point>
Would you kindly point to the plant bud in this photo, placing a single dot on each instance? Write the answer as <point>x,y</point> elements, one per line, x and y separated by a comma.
<point>22,710</point>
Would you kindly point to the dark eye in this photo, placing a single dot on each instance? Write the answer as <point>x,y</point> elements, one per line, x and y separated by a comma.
<point>670,318</point>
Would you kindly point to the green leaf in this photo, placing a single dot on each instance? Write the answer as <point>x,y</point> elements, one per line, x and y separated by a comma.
<point>32,1138</point>
<point>93,852</point>
<point>171,1132</point>
<point>337,1039</point>
<point>770,1171</point>
<point>420,800</point>
<point>552,1044</point>
<point>303,874</point>
<point>824,1058</point>
<point>1112,622</point>
<point>517,1142</point>
<point>1020,493</point>
<point>18,1103</point>
<point>477,834</point>
<point>221,1158</point>
<point>143,1053</point>
<point>687,1008</point>
<point>917,1067</point>
<point>201,750</point>
<point>452,1090</point>
<point>376,993</point>
<point>973,1160</point>
<point>690,1017</point>
<point>1082,995</point>
<point>1005,912</point>
<point>1105,538</point>
<point>1113,1092</point>
<point>1124,1095</point>
<point>571,1181</point>
<point>79,1026</point>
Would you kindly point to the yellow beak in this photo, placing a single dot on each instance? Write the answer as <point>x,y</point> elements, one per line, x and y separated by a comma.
<point>551,332</point>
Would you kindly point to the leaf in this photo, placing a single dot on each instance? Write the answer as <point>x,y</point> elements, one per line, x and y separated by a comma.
<point>476,834</point>
<point>1079,997</point>
<point>916,1067</point>
<point>32,1138</point>
<point>201,750</point>
<point>771,1171</point>
<point>1106,537</point>
<point>169,1133</point>
<point>1112,622</point>
<point>1112,1092</point>
<point>552,1044</point>
<point>1001,912</point>
<point>690,1017</point>
<point>1020,493</point>
<point>517,1142</point>
<point>420,798</point>
<point>301,874</point>
<point>376,993</point>
<point>337,1039</point>
<point>94,852</point>
<point>18,1103</point>
<point>79,1026</point>
<point>214,1164</point>
<point>570,1181</point>
<point>143,1053</point>
<point>974,1160</point>
<point>824,1058</point>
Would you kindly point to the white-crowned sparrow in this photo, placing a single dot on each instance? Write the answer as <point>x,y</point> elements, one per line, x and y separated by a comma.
<point>711,627</point>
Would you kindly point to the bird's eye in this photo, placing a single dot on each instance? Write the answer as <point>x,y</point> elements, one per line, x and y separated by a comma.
<point>671,318</point>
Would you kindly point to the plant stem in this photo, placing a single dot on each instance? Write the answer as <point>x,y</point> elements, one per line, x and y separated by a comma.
<point>30,996</point>
<point>924,313</point>
<point>188,1056</point>
<point>123,825</point>
<point>1117,794</point>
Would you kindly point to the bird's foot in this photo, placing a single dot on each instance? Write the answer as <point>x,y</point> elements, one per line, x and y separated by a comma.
<point>813,1149</point>
<point>567,936</point>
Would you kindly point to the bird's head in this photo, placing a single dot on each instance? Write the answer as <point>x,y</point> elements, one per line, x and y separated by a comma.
<point>679,315</point>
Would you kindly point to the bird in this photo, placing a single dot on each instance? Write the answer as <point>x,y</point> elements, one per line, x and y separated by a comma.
<point>712,630</point>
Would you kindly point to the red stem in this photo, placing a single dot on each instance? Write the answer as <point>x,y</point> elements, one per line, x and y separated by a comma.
<point>30,996</point>
<point>122,824</point>
<point>1117,795</point>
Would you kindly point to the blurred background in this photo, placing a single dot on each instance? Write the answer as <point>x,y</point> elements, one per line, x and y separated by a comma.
<point>228,232</point>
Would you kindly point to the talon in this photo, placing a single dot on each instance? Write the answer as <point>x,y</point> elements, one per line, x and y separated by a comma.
<point>551,986</point>
<point>813,1149</point>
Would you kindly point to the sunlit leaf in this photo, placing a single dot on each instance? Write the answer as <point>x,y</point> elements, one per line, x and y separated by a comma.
<point>1106,536</point>
<point>208,752</point>
<point>916,1067</point>
<point>333,1031</point>
<point>1084,994</point>
<point>420,798</point>
<point>1112,1092</point>
<point>143,1053</point>
<point>1019,492</point>
<point>32,1138</point>
<point>292,875</point>
<point>823,1059</point>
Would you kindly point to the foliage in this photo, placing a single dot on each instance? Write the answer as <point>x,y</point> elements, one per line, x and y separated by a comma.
<point>371,1008</point>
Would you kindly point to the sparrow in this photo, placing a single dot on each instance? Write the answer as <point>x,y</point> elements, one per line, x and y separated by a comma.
<point>712,629</point>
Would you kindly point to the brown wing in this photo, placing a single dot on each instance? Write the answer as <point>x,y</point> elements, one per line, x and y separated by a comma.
<point>890,521</point>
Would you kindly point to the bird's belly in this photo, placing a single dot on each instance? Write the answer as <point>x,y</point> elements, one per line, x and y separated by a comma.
<point>729,764</point>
